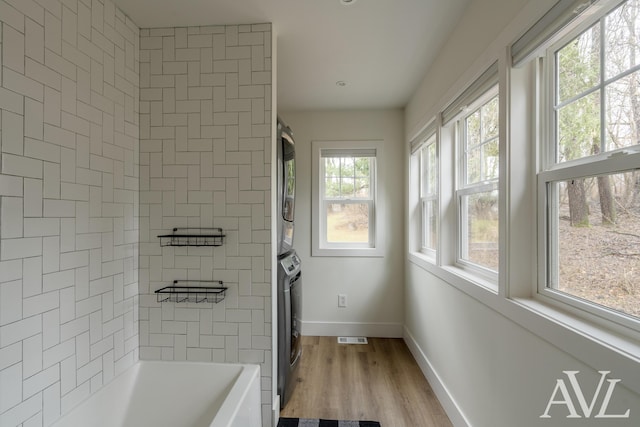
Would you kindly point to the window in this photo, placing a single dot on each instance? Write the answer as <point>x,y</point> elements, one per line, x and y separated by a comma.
<point>590,180</point>
<point>347,207</point>
<point>429,196</point>
<point>477,188</point>
<point>424,189</point>
<point>347,199</point>
<point>453,193</point>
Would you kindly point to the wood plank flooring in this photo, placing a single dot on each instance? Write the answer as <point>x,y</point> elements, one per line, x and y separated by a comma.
<point>379,381</point>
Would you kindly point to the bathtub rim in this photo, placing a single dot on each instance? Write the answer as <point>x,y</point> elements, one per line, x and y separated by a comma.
<point>230,407</point>
<point>238,394</point>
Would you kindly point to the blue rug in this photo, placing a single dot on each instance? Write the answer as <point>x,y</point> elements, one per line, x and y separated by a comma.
<point>306,422</point>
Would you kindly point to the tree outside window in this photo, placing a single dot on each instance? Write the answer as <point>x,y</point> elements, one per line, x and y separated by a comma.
<point>347,198</point>
<point>592,183</point>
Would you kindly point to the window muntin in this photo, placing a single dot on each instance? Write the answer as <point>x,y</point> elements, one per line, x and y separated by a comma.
<point>481,143</point>
<point>590,184</point>
<point>429,196</point>
<point>347,198</point>
<point>477,192</point>
<point>596,86</point>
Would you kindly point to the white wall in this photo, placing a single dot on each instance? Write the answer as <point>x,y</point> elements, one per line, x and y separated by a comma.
<point>481,23</point>
<point>496,371</point>
<point>373,285</point>
<point>491,361</point>
<point>205,161</point>
<point>69,204</point>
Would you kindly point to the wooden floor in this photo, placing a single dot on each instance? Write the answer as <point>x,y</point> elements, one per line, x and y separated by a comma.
<point>379,381</point>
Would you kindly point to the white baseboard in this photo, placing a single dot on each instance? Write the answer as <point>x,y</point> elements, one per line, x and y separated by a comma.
<point>439,388</point>
<point>360,329</point>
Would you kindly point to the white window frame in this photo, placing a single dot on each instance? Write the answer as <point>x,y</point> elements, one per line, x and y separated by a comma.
<point>462,189</point>
<point>369,201</point>
<point>551,171</point>
<point>426,197</point>
<point>375,246</point>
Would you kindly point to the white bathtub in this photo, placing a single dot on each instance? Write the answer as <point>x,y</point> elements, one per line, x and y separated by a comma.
<point>174,394</point>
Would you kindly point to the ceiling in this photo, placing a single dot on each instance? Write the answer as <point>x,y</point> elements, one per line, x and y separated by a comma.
<point>380,48</point>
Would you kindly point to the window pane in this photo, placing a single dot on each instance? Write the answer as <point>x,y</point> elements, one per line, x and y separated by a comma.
<point>347,222</point>
<point>480,242</point>
<point>490,119</point>
<point>623,112</point>
<point>363,166</point>
<point>598,240</point>
<point>363,188</point>
<point>579,127</point>
<point>428,171</point>
<point>473,129</point>
<point>490,157</point>
<point>346,187</point>
<point>424,171</point>
<point>332,188</point>
<point>433,170</point>
<point>332,167</point>
<point>347,166</point>
<point>481,154</point>
<point>429,224</point>
<point>474,162</point>
<point>579,64</point>
<point>622,37</point>
<point>348,177</point>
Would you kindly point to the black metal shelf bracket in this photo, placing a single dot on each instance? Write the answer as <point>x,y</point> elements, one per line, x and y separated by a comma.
<point>193,291</point>
<point>193,237</point>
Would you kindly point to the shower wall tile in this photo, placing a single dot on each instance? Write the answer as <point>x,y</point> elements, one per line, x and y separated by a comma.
<point>68,203</point>
<point>205,129</point>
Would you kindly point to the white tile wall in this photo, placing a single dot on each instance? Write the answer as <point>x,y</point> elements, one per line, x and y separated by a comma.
<point>69,76</point>
<point>70,191</point>
<point>205,134</point>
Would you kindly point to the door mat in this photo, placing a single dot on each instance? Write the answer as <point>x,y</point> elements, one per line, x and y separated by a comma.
<point>307,422</point>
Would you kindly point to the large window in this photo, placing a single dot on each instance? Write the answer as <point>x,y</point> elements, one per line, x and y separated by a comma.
<point>590,179</point>
<point>477,189</point>
<point>428,165</point>
<point>455,159</point>
<point>347,209</point>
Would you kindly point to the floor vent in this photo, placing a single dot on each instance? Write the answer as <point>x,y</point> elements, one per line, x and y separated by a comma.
<point>352,340</point>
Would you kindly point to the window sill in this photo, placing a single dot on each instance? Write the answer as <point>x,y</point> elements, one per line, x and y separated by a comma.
<point>348,252</point>
<point>426,262</point>
<point>601,334</point>
<point>459,277</point>
<point>584,340</point>
<point>473,279</point>
<point>588,342</point>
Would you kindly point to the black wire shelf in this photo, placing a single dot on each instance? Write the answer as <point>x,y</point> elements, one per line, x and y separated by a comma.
<point>193,237</point>
<point>193,291</point>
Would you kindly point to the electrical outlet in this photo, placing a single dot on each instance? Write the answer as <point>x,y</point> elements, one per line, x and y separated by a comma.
<point>342,300</point>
